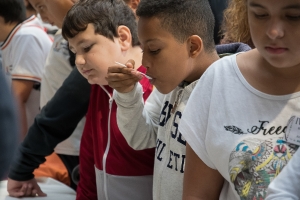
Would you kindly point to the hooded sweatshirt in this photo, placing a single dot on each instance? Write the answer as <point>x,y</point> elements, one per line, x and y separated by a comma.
<point>155,124</point>
<point>109,167</point>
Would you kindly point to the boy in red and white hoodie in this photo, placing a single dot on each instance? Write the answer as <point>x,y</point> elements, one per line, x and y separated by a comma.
<point>101,33</point>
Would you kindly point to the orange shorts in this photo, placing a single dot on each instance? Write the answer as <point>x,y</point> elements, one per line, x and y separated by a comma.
<point>54,168</point>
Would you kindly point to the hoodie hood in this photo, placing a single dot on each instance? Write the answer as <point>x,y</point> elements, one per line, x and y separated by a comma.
<point>232,48</point>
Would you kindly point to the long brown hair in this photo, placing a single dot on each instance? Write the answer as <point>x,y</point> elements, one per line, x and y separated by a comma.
<point>235,26</point>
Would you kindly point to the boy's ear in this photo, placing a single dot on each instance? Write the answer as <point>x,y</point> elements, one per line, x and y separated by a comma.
<point>124,39</point>
<point>195,45</point>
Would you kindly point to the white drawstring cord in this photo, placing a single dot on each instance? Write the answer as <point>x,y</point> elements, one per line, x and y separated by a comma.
<point>108,144</point>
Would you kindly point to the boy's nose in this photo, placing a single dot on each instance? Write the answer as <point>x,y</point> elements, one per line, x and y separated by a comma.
<point>79,60</point>
<point>44,18</point>
<point>275,29</point>
<point>145,61</point>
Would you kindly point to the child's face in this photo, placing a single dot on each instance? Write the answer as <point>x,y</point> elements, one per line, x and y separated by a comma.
<point>275,30</point>
<point>59,9</point>
<point>94,54</point>
<point>166,59</point>
<point>41,8</point>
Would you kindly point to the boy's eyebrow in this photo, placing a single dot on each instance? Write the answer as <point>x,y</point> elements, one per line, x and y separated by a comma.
<point>81,41</point>
<point>151,40</point>
<point>293,6</point>
<point>78,43</point>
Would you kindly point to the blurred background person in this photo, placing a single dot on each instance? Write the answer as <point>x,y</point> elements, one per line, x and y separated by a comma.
<point>24,68</point>
<point>8,126</point>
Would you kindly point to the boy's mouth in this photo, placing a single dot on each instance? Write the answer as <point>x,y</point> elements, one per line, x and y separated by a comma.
<point>86,72</point>
<point>152,81</point>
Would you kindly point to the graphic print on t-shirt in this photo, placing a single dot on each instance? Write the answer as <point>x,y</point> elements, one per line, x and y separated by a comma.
<point>255,162</point>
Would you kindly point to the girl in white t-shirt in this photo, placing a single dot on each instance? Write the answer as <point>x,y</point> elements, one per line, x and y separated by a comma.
<point>241,117</point>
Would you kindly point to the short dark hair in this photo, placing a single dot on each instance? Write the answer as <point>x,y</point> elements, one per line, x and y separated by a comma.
<point>182,18</point>
<point>105,15</point>
<point>12,10</point>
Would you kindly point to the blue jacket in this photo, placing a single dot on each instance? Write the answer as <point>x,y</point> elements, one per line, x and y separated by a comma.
<point>8,126</point>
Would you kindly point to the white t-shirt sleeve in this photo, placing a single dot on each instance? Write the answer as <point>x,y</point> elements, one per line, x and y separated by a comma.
<point>29,58</point>
<point>193,124</point>
<point>286,184</point>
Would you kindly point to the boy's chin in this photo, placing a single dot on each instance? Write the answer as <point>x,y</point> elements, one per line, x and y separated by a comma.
<point>164,90</point>
<point>92,81</point>
<point>97,81</point>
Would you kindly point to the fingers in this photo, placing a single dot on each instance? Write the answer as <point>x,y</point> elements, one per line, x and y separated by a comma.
<point>122,85</point>
<point>27,189</point>
<point>22,191</point>
<point>119,69</point>
<point>31,190</point>
<point>24,188</point>
<point>123,78</point>
<point>16,194</point>
<point>130,63</point>
<point>36,191</point>
<point>40,193</point>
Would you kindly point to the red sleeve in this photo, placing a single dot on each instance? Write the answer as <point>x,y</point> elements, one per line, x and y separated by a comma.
<point>87,188</point>
<point>147,86</point>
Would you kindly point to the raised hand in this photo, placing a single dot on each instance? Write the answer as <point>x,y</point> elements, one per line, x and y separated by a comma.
<point>123,78</point>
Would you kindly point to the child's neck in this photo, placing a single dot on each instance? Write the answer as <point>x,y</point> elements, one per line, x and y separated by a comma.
<point>201,63</point>
<point>266,78</point>
<point>5,30</point>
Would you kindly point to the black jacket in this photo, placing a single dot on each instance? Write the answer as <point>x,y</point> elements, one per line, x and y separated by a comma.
<point>56,122</point>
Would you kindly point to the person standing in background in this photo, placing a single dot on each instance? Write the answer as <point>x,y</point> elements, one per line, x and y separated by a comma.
<point>23,68</point>
<point>9,129</point>
<point>235,28</point>
<point>29,9</point>
<point>0,60</point>
<point>59,64</point>
<point>217,7</point>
